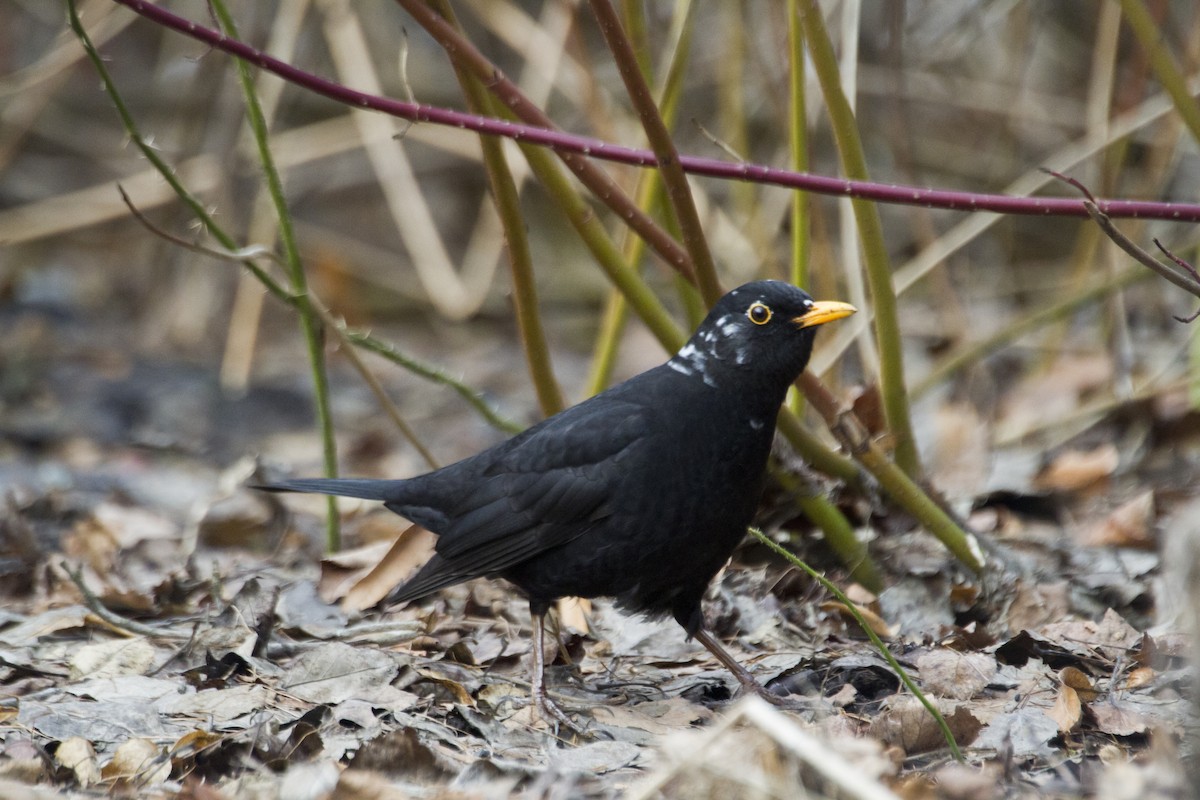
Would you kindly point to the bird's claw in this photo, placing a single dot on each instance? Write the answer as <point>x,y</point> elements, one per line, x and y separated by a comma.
<point>549,711</point>
<point>779,701</point>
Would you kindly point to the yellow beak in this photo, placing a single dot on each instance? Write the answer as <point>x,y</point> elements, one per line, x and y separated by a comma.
<point>824,311</point>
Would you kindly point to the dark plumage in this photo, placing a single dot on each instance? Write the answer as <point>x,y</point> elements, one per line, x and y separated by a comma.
<point>640,493</point>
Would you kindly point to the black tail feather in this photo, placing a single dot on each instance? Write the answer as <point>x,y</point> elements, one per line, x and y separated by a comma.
<point>342,487</point>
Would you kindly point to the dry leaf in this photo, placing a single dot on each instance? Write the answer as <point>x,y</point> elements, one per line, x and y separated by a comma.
<point>968,782</point>
<point>861,595</point>
<point>960,676</point>
<point>131,525</point>
<point>77,755</point>
<point>1130,525</point>
<point>23,761</point>
<point>341,570</point>
<point>573,614</point>
<point>1073,470</point>
<point>1026,731</point>
<point>906,723</point>
<point>412,548</point>
<point>192,742</point>
<point>240,520</point>
<point>92,544</point>
<point>335,671</point>
<point>1035,604</point>
<point>1067,709</point>
<point>113,658</point>
<point>659,717</point>
<point>1078,680</point>
<point>1111,637</point>
<point>1116,720</point>
<point>876,622</point>
<point>1142,676</point>
<point>867,404</point>
<point>44,624</point>
<point>139,762</point>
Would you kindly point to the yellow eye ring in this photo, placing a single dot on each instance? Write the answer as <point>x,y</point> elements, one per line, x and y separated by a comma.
<point>759,313</point>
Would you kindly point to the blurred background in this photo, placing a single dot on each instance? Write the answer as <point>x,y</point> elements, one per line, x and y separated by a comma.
<point>131,364</point>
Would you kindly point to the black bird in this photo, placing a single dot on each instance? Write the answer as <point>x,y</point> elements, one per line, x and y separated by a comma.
<point>640,493</point>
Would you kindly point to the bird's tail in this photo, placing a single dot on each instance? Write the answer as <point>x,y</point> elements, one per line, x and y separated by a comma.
<point>342,487</point>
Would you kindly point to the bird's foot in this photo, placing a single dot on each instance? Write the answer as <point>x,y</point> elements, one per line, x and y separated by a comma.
<point>549,711</point>
<point>779,701</point>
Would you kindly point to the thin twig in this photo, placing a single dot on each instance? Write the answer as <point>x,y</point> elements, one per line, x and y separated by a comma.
<point>507,202</point>
<point>597,180</point>
<point>888,335</point>
<point>563,142</point>
<point>1183,274</point>
<point>674,179</point>
<point>111,617</point>
<point>1190,270</point>
<point>296,277</point>
<point>337,327</point>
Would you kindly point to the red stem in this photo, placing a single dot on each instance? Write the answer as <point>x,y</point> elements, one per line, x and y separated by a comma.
<point>715,168</point>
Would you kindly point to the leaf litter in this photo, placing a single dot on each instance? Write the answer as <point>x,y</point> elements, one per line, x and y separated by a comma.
<point>218,653</point>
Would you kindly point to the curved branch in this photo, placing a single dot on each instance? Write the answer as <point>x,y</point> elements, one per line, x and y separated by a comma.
<point>714,168</point>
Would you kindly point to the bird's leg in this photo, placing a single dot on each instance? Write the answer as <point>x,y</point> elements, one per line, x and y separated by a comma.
<point>541,701</point>
<point>748,681</point>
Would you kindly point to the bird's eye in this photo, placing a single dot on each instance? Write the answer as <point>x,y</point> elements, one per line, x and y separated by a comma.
<point>759,313</point>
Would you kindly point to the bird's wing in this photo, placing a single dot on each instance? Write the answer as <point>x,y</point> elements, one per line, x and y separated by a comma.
<point>548,486</point>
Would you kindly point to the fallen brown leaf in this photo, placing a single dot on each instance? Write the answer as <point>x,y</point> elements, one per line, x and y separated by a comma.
<point>948,673</point>
<point>907,724</point>
<point>1073,470</point>
<point>1142,676</point>
<point>1067,709</point>
<point>77,755</point>
<point>1035,604</point>
<point>137,762</point>
<point>412,548</point>
<point>1130,525</point>
<point>1078,680</point>
<point>1116,720</point>
<point>877,624</point>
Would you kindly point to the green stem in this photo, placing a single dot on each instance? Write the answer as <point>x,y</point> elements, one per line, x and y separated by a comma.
<point>839,533</point>
<point>297,299</point>
<point>633,14</point>
<point>875,257</point>
<point>359,339</point>
<point>602,186</point>
<point>908,682</point>
<point>798,150</point>
<point>649,190</point>
<point>583,218</point>
<point>674,179</point>
<point>902,489</point>
<point>1166,69</point>
<point>797,146</point>
<point>814,452</point>
<point>854,437</point>
<point>165,170</point>
<point>309,323</point>
<point>508,206</point>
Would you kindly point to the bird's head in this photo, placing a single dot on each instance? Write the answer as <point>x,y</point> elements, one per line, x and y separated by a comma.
<point>760,334</point>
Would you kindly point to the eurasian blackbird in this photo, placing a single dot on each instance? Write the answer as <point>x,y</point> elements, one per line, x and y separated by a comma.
<point>640,493</point>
